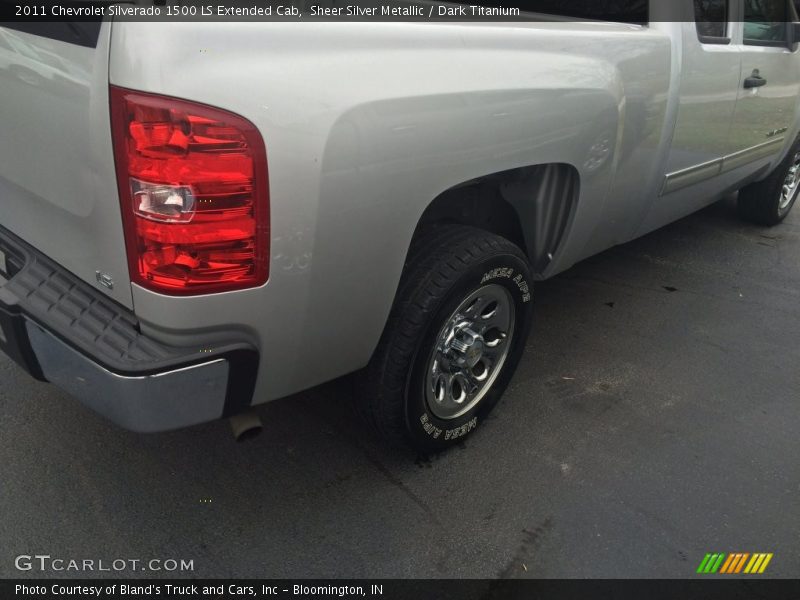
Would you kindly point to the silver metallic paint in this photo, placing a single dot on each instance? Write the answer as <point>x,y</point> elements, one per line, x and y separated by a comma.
<point>357,151</point>
<point>365,124</point>
<point>58,186</point>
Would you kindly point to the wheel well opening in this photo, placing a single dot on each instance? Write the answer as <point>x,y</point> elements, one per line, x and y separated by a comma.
<point>530,206</point>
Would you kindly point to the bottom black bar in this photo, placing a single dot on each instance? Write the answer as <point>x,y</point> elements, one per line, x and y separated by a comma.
<point>410,589</point>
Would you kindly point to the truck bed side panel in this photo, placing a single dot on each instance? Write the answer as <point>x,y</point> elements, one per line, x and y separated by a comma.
<point>365,124</point>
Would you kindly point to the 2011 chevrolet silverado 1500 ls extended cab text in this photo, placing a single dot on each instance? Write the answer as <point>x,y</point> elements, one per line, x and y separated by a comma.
<point>200,217</point>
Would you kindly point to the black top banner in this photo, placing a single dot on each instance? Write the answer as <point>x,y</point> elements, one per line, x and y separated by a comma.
<point>637,12</point>
<point>625,11</point>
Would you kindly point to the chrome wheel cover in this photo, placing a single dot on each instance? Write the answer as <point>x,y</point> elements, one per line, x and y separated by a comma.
<point>469,352</point>
<point>791,185</point>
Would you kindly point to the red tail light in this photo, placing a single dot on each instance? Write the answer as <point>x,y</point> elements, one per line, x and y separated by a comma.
<point>194,192</point>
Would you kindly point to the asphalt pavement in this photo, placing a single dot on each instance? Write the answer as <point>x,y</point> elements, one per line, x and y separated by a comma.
<point>655,418</point>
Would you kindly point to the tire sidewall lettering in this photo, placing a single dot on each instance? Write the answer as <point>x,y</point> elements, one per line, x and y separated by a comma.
<point>447,434</point>
<point>508,273</point>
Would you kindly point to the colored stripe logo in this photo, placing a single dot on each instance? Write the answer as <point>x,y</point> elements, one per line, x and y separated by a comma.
<point>737,562</point>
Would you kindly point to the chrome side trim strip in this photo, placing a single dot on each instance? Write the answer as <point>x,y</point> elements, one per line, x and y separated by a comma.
<point>686,177</point>
<point>699,173</point>
<point>739,159</point>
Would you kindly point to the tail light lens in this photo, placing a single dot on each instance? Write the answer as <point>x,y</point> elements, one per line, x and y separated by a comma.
<point>194,191</point>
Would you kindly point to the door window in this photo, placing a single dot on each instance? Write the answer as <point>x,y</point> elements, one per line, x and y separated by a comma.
<point>711,17</point>
<point>765,22</point>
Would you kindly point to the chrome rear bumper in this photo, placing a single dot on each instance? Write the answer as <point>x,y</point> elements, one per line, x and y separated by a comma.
<point>63,331</point>
<point>147,403</point>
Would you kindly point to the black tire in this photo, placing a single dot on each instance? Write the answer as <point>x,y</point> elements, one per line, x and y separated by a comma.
<point>445,266</point>
<point>760,202</point>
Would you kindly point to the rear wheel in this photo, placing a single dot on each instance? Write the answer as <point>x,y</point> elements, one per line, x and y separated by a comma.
<point>453,339</point>
<point>768,202</point>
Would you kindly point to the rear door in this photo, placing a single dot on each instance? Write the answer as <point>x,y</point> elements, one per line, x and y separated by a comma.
<point>58,188</point>
<point>769,82</point>
<point>708,93</point>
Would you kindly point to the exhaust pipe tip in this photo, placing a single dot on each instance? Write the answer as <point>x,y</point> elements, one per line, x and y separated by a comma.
<point>245,426</point>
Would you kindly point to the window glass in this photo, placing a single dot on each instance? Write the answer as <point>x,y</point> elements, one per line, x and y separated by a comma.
<point>765,21</point>
<point>712,18</point>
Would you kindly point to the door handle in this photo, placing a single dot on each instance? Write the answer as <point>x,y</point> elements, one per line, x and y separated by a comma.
<point>755,80</point>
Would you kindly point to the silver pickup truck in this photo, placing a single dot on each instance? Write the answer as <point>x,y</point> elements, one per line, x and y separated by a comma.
<point>200,217</point>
